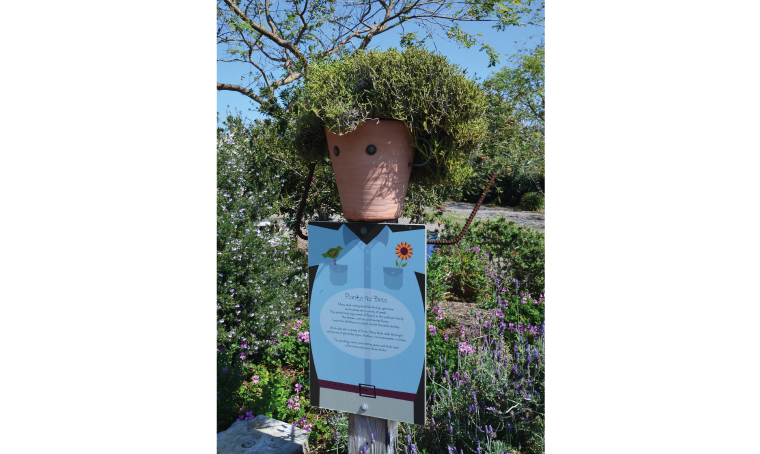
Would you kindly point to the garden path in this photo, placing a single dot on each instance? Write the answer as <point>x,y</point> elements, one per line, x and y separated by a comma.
<point>461,211</point>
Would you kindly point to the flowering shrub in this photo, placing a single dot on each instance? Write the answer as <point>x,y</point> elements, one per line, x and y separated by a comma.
<point>461,272</point>
<point>491,400</point>
<point>514,252</point>
<point>291,348</point>
<point>261,275</point>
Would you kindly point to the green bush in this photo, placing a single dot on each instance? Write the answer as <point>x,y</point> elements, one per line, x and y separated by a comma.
<point>261,274</point>
<point>439,345</point>
<point>460,272</point>
<point>514,145</point>
<point>507,190</point>
<point>421,88</point>
<point>532,201</point>
<point>515,252</point>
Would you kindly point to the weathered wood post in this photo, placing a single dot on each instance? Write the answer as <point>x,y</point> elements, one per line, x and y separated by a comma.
<point>363,429</point>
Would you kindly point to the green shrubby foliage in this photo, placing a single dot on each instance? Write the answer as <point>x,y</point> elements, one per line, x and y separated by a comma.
<point>423,89</point>
<point>514,145</point>
<point>261,283</point>
<point>515,252</point>
<point>507,190</point>
<point>439,346</point>
<point>261,275</point>
<point>532,201</point>
<point>459,272</point>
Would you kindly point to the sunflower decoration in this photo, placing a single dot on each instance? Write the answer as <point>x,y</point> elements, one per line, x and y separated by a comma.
<point>403,252</point>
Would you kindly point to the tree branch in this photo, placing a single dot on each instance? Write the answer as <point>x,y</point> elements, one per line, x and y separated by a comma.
<point>242,90</point>
<point>270,35</point>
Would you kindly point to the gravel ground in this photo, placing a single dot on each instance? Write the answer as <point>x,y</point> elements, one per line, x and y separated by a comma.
<point>461,211</point>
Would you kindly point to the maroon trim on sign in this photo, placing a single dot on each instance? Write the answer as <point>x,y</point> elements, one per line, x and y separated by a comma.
<point>355,389</point>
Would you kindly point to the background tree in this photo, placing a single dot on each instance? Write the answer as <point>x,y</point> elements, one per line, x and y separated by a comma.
<point>514,146</point>
<point>281,40</point>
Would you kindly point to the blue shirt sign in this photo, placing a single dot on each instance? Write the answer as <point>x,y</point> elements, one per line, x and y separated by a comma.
<point>367,318</point>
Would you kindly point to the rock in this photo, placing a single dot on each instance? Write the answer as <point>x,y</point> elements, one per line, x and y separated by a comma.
<point>262,435</point>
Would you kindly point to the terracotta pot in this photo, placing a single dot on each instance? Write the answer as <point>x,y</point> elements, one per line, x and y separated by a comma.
<point>372,187</point>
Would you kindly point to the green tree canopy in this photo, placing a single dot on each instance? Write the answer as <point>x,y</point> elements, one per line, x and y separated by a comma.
<point>280,41</point>
<point>517,111</point>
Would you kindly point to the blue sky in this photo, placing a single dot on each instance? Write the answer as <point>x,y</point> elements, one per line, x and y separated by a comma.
<point>474,61</point>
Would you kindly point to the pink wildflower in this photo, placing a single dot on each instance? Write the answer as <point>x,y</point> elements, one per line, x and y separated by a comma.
<point>465,348</point>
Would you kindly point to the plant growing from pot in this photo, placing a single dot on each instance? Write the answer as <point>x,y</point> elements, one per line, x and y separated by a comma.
<point>386,118</point>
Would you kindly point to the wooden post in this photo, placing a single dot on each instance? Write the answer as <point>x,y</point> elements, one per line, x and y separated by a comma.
<point>360,430</point>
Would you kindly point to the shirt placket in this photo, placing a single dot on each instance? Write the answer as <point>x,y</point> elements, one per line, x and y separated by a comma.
<point>367,255</point>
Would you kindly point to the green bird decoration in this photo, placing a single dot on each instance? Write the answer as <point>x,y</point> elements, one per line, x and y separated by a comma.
<point>332,253</point>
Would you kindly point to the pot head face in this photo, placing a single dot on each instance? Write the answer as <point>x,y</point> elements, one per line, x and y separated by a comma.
<point>372,170</point>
